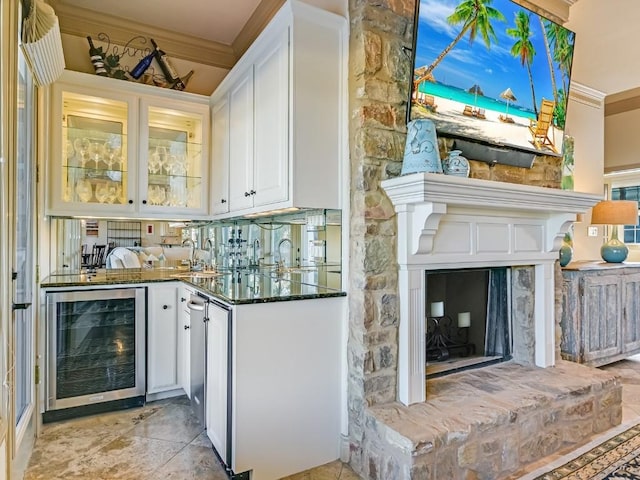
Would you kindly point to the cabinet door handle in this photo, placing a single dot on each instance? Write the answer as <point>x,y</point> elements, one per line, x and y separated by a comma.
<point>144,202</point>
<point>164,307</point>
<point>186,327</point>
<point>223,201</point>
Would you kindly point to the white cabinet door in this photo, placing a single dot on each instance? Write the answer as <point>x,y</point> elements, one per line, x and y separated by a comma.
<point>271,165</point>
<point>217,371</point>
<point>241,143</point>
<point>162,338</point>
<point>184,338</point>
<point>127,150</point>
<point>220,157</point>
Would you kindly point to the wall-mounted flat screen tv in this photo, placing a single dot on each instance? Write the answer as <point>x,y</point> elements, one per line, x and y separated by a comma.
<point>492,75</point>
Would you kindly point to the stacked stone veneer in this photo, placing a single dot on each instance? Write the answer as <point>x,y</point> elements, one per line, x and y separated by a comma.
<point>489,423</point>
<point>380,76</point>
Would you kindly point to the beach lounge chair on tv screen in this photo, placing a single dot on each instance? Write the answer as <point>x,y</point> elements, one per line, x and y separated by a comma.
<point>540,128</point>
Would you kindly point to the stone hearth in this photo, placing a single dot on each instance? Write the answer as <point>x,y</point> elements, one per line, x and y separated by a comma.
<point>489,423</point>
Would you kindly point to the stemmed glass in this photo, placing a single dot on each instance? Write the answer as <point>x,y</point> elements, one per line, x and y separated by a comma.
<point>161,153</point>
<point>68,151</point>
<point>84,190</point>
<point>155,163</point>
<point>96,151</point>
<point>111,155</point>
<point>102,192</point>
<point>82,146</point>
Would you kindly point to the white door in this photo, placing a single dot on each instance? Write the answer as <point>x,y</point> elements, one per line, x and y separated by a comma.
<point>23,255</point>
<point>220,157</point>
<point>162,338</point>
<point>217,371</point>
<point>271,166</point>
<point>241,143</point>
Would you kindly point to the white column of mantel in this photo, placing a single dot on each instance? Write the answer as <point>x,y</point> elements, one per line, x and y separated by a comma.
<point>544,315</point>
<point>411,337</point>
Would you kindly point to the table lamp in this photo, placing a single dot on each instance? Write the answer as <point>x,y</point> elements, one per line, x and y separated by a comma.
<point>614,212</point>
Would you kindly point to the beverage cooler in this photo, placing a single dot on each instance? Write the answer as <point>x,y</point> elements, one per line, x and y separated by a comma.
<point>95,351</point>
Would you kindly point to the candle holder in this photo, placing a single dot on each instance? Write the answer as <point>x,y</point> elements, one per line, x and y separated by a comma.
<point>440,342</point>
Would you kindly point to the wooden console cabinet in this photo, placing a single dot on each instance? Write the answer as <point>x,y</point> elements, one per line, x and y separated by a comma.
<point>600,312</point>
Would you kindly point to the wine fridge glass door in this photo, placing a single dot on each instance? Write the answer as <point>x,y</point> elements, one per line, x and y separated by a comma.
<point>96,346</point>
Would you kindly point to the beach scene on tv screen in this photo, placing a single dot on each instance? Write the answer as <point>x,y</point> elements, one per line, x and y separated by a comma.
<point>493,71</point>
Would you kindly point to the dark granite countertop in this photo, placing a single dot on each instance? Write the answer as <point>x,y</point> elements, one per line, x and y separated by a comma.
<point>235,287</point>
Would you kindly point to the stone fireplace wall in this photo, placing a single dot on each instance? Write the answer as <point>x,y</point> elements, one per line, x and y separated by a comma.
<point>380,73</point>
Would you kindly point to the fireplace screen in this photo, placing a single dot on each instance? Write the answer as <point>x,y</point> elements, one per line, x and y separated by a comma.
<point>468,318</point>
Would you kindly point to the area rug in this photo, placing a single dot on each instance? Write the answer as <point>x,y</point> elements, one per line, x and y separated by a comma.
<point>617,458</point>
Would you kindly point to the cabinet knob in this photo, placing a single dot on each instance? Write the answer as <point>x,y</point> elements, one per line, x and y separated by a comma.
<point>186,327</point>
<point>252,192</point>
<point>247,194</point>
<point>144,202</point>
<point>223,201</point>
<point>130,202</point>
<point>182,299</point>
<point>164,307</point>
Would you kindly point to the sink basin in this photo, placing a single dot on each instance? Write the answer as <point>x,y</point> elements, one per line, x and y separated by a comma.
<point>197,275</point>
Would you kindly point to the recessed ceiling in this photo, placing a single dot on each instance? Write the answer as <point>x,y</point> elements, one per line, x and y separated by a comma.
<point>215,20</point>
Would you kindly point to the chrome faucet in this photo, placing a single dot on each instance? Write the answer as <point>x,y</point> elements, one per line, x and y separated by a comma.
<point>210,247</point>
<point>256,252</point>
<point>280,257</point>
<point>190,243</point>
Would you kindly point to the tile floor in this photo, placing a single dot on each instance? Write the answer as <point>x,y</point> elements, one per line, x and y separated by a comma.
<point>163,440</point>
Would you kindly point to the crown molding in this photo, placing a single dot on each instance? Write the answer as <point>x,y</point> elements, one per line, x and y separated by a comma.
<point>82,22</point>
<point>586,95</point>
<point>263,13</point>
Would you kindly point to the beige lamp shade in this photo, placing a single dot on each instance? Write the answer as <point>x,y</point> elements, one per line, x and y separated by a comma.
<point>615,212</point>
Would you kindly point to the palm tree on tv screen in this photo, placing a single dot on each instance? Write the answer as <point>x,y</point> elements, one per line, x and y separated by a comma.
<point>523,48</point>
<point>561,41</point>
<point>475,16</point>
<point>545,37</point>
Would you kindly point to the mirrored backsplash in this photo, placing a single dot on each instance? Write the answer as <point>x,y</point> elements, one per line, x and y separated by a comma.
<point>305,239</point>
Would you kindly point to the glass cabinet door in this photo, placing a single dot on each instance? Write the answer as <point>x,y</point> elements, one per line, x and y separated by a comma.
<point>94,163</point>
<point>174,146</point>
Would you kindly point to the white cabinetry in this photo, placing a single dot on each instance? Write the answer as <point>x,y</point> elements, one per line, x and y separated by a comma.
<point>285,367</point>
<point>124,149</point>
<point>220,156</point>
<point>286,126</point>
<point>163,346</point>
<point>217,371</point>
<point>184,338</point>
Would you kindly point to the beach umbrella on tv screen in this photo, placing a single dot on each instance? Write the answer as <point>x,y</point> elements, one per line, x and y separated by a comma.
<point>476,90</point>
<point>509,97</point>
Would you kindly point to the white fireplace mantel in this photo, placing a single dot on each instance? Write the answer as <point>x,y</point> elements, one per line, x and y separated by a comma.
<point>447,222</point>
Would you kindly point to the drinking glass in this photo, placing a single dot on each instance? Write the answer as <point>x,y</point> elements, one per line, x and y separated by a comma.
<point>96,150</point>
<point>84,190</point>
<point>102,192</point>
<point>155,163</point>
<point>82,146</point>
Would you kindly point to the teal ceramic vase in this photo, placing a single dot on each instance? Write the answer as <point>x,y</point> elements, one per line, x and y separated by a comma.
<point>566,252</point>
<point>421,150</point>
<point>614,251</point>
<point>455,164</point>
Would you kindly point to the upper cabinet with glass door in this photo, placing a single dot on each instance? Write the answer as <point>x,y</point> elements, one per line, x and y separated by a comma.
<point>176,157</point>
<point>124,149</point>
<point>91,152</point>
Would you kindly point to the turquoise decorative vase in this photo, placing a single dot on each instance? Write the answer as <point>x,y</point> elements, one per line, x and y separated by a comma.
<point>614,251</point>
<point>421,150</point>
<point>455,164</point>
<point>566,252</point>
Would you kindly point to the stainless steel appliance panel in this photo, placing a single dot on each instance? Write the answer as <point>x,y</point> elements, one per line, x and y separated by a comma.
<point>95,346</point>
<point>198,307</point>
